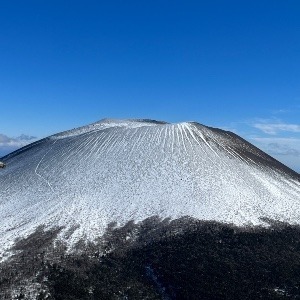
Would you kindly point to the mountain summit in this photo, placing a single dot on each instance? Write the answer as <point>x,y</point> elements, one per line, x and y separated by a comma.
<point>121,170</point>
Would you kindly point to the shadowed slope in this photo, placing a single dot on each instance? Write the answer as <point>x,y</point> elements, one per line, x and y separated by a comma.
<point>159,259</point>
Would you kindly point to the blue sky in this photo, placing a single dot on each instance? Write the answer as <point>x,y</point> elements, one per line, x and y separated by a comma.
<point>229,64</point>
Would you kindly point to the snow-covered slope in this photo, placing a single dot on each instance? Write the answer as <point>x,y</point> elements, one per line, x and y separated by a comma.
<point>120,170</point>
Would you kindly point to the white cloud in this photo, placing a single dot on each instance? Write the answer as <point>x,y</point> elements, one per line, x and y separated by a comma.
<point>286,150</point>
<point>9,144</point>
<point>278,138</point>
<point>281,111</point>
<point>283,146</point>
<point>283,149</point>
<point>274,128</point>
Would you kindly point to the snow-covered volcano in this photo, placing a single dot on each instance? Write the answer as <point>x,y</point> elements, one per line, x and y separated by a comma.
<point>121,170</point>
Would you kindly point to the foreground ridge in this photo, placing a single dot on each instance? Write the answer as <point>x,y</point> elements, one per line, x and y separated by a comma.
<point>158,259</point>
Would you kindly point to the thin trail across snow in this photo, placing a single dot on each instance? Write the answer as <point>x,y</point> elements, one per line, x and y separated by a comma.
<point>38,165</point>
